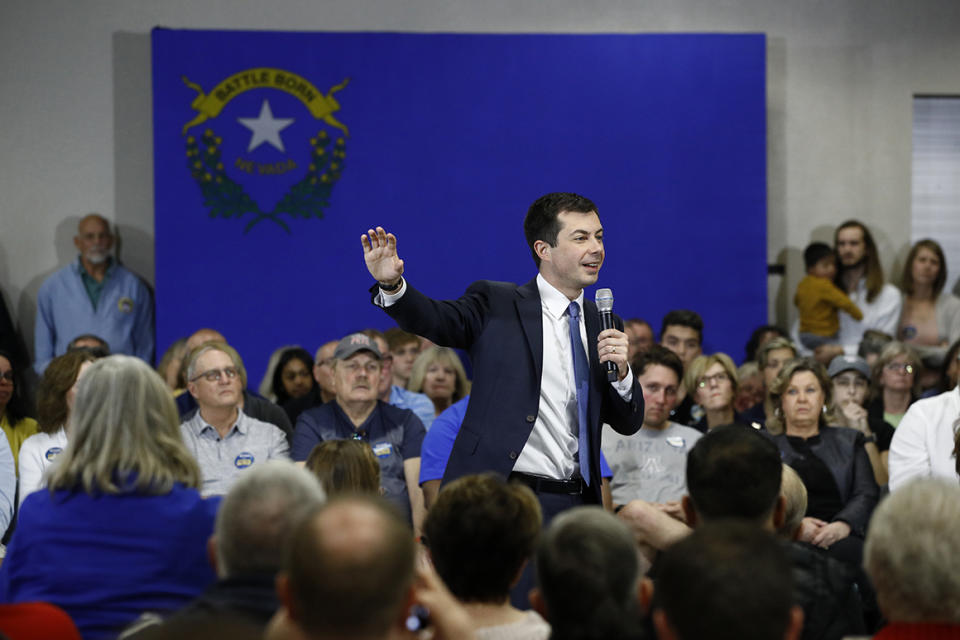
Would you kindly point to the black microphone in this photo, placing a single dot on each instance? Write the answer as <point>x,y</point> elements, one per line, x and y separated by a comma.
<point>604,300</point>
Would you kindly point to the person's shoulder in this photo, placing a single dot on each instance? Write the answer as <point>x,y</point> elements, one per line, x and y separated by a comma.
<point>38,441</point>
<point>58,278</point>
<point>395,414</point>
<point>675,428</point>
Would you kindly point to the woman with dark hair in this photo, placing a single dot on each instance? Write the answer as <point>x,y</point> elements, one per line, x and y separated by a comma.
<point>55,397</point>
<point>293,377</point>
<point>930,319</point>
<point>14,410</point>
<point>831,461</point>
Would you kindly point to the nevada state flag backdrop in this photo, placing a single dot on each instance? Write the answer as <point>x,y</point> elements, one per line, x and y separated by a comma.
<point>275,151</point>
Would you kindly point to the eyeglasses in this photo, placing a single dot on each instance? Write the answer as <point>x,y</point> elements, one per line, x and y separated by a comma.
<point>353,368</point>
<point>719,378</point>
<point>214,375</point>
<point>895,367</point>
<point>7,376</point>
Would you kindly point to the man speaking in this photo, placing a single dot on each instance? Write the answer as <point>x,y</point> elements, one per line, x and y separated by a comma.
<point>540,391</point>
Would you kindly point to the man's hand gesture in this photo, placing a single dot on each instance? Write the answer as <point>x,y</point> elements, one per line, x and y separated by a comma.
<point>380,254</point>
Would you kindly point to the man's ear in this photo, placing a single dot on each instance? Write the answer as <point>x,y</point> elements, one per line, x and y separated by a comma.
<point>689,512</point>
<point>538,603</point>
<point>645,594</point>
<point>192,389</point>
<point>212,553</point>
<point>779,512</point>
<point>662,625</point>
<point>542,249</point>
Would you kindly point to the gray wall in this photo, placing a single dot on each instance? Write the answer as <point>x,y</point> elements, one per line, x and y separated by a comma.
<point>76,118</point>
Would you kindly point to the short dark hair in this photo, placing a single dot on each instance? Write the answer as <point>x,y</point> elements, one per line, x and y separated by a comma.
<point>734,472</point>
<point>293,353</point>
<point>754,342</point>
<point>542,222</point>
<point>726,581</point>
<point>815,252</point>
<point>657,354</point>
<point>350,591</point>
<point>683,318</point>
<point>587,570</point>
<point>480,531</point>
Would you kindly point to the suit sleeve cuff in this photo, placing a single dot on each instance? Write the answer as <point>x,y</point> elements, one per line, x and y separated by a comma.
<point>623,387</point>
<point>385,300</point>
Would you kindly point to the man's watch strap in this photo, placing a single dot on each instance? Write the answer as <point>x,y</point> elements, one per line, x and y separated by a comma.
<point>388,288</point>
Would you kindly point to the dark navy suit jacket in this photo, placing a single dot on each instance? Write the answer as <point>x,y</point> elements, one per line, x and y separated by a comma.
<point>500,325</point>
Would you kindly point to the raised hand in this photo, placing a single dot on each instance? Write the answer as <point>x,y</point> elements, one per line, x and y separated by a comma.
<point>380,254</point>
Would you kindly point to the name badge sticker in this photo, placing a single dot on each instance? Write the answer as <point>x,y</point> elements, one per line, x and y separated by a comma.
<point>52,453</point>
<point>243,460</point>
<point>676,442</point>
<point>382,449</point>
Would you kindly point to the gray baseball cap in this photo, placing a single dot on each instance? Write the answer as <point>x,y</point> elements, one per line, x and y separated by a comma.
<point>356,342</point>
<point>848,363</point>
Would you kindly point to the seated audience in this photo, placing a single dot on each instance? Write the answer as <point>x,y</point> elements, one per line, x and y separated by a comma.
<point>640,334</point>
<point>831,461</point>
<point>771,357</point>
<point>266,383</point>
<point>170,363</point>
<point>91,342</point>
<point>323,376</point>
<point>480,533</point>
<point>394,435</point>
<point>872,344</point>
<point>950,371</point>
<point>930,316</point>
<point>252,525</point>
<point>912,554</point>
<point>587,577</point>
<point>224,440</point>
<point>713,382</point>
<point>727,580</point>
<point>681,331</point>
<point>122,529</point>
<point>348,572</point>
<point>895,383</point>
<point>750,391</point>
<point>419,403</point>
<point>851,387</point>
<point>345,467</point>
<point>439,374</point>
<point>819,300</point>
<point>293,376</point>
<point>761,336</point>
<point>651,463</point>
<point>55,398</point>
<point>15,410</point>
<point>404,347</point>
<point>923,444</point>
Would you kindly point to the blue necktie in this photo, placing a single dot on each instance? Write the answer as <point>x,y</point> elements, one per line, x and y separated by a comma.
<point>581,376</point>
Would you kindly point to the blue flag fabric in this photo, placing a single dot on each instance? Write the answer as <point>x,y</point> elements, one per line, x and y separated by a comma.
<point>274,151</point>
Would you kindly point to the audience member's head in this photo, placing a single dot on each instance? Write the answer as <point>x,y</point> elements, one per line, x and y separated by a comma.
<point>293,375</point>
<point>950,371</point>
<point>13,397</point>
<point>438,373</point>
<point>734,472</point>
<point>215,376</point>
<point>358,366</point>
<point>925,266</point>
<point>57,390</point>
<point>345,467</point>
<point>93,343</point>
<point>772,356</point>
<point>794,494</point>
<point>197,338</point>
<point>323,365</point>
<point>728,580</point>
<point>897,368</point>
<point>912,552</point>
<point>258,514</point>
<point>682,332</point>
<point>857,250</point>
<point>820,261</point>
<point>386,363</point>
<point>348,570</point>
<point>588,574</point>
<point>712,380</point>
<point>481,531</point>
<point>640,334</point>
<point>872,343</point>
<point>659,371</point>
<point>94,240</point>
<point>124,433</point>
<point>404,347</point>
<point>761,336</point>
<point>171,363</point>
<point>781,418</point>
<point>750,390</point>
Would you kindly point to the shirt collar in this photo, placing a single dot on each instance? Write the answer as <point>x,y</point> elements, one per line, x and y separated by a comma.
<point>555,302</point>
<point>240,425</point>
<point>111,264</point>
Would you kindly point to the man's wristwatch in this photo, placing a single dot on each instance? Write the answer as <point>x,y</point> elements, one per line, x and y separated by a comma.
<point>872,437</point>
<point>390,288</point>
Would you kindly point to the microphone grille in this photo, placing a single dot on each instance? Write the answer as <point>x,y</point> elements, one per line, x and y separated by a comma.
<point>604,299</point>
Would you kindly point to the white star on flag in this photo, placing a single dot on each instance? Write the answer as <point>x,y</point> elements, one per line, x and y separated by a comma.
<point>265,128</point>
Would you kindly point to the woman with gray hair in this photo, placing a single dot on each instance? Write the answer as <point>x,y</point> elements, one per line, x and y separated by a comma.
<point>122,528</point>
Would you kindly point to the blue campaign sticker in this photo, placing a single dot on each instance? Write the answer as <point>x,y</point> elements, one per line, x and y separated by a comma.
<point>382,449</point>
<point>52,453</point>
<point>676,441</point>
<point>243,460</point>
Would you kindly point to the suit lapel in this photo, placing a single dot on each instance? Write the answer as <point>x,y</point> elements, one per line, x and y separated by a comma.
<point>531,319</point>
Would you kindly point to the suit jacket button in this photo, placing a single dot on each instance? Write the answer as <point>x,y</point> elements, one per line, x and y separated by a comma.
<point>531,418</point>
<point>513,455</point>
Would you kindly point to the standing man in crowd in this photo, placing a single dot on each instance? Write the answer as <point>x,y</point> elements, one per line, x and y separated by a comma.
<point>861,277</point>
<point>94,294</point>
<point>540,391</point>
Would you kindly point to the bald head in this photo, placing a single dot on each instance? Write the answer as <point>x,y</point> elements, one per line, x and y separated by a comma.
<point>349,569</point>
<point>93,240</point>
<point>201,336</point>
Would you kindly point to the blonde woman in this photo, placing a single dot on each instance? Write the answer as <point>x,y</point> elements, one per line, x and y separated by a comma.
<point>122,529</point>
<point>713,382</point>
<point>439,374</point>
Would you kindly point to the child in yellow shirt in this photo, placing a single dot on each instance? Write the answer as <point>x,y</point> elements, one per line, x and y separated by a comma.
<point>818,299</point>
